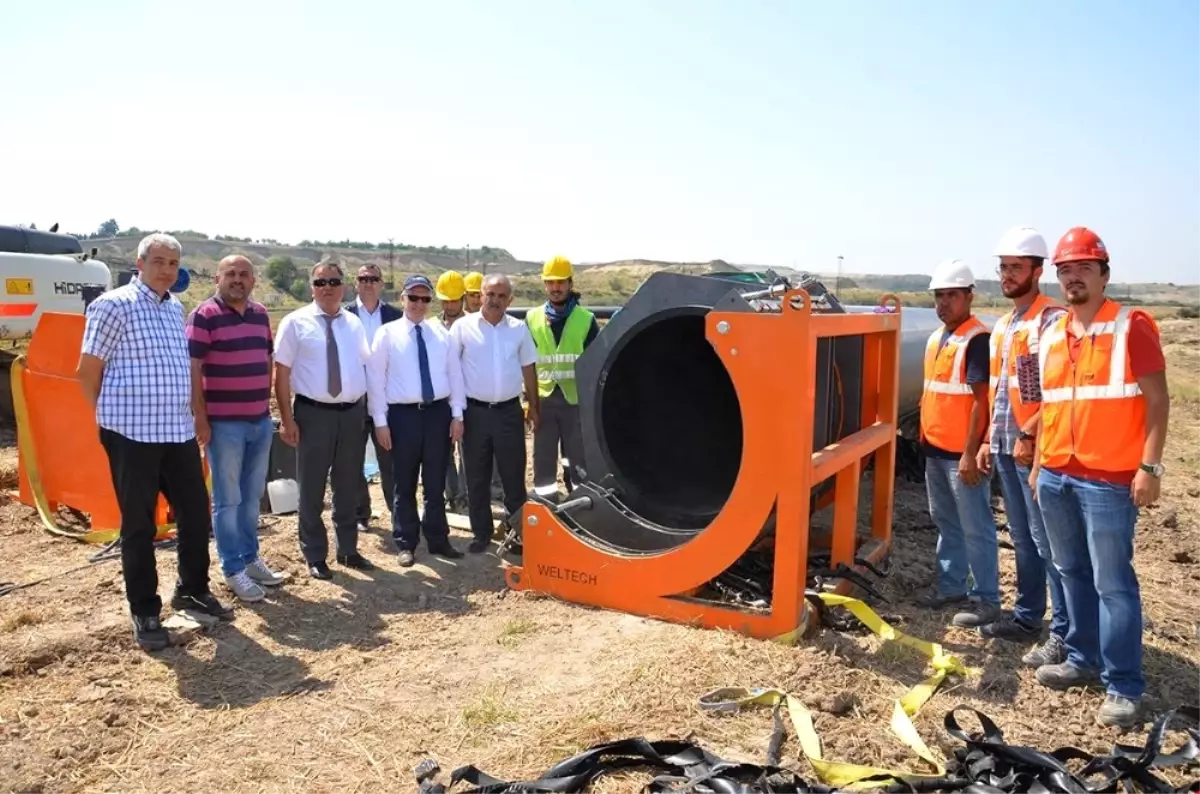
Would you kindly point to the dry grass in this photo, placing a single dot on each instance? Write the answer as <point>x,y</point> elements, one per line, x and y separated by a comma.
<point>347,685</point>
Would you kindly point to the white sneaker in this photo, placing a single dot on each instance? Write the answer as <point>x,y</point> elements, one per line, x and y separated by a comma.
<point>244,587</point>
<point>259,572</point>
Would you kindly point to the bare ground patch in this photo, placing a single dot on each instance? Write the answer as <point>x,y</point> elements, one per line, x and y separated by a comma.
<point>347,685</point>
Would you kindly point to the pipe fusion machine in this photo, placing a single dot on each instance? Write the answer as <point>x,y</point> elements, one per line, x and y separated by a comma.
<point>718,417</point>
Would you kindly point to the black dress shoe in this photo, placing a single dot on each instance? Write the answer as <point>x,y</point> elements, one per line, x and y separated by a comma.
<point>478,546</point>
<point>355,561</point>
<point>319,570</point>
<point>447,552</point>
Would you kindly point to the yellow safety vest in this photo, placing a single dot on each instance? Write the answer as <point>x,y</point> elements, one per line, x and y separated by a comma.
<point>556,361</point>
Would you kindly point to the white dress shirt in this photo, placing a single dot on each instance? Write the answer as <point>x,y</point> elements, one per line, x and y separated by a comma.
<point>300,346</point>
<point>370,320</point>
<point>492,356</point>
<point>394,369</point>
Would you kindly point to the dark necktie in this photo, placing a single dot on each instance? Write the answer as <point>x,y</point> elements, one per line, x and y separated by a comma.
<point>423,358</point>
<point>332,363</point>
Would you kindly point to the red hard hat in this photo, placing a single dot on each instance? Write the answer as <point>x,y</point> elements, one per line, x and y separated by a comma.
<point>1078,245</point>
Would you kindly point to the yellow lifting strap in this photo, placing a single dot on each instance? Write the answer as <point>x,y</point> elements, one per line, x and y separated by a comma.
<point>837,773</point>
<point>25,431</point>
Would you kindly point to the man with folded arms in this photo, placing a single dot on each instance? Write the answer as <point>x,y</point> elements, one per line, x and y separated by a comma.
<point>498,358</point>
<point>373,312</point>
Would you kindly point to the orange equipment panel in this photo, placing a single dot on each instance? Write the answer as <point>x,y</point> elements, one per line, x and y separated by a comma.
<point>58,441</point>
<point>771,359</point>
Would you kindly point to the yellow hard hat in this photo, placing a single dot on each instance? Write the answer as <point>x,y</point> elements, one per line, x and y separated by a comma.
<point>557,269</point>
<point>473,282</point>
<point>450,286</point>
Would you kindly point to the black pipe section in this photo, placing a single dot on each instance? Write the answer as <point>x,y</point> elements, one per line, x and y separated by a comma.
<point>601,312</point>
<point>20,240</point>
<point>661,422</point>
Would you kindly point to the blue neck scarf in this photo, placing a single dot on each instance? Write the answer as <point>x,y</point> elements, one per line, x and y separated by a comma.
<point>554,314</point>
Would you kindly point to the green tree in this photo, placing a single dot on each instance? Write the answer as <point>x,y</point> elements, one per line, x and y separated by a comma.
<point>282,272</point>
<point>108,229</point>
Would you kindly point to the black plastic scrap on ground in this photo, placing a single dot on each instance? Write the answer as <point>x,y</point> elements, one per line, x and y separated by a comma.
<point>986,764</point>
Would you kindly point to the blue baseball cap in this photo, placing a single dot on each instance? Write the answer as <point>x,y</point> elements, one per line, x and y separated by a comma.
<point>417,280</point>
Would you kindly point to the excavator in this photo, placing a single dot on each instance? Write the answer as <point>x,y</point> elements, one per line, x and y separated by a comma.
<point>42,271</point>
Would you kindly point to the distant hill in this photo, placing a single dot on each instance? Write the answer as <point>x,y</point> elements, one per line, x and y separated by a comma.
<point>1155,292</point>
<point>602,283</point>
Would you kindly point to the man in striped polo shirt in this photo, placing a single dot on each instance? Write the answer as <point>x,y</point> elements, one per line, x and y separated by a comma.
<point>229,339</point>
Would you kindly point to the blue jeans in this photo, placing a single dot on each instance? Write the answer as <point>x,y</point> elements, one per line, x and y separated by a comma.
<point>1032,546</point>
<point>966,532</point>
<point>238,454</point>
<point>1090,525</point>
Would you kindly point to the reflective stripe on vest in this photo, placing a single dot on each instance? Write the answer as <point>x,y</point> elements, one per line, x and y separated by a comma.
<point>1092,409</point>
<point>1026,340</point>
<point>556,361</point>
<point>947,398</point>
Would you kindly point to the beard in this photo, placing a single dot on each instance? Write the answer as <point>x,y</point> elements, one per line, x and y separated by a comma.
<point>1076,296</point>
<point>1020,290</point>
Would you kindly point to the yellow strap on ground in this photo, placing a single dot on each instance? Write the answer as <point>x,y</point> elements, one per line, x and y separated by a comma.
<point>836,773</point>
<point>33,473</point>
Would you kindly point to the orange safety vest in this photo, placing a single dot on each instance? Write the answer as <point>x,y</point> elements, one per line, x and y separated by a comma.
<point>1092,409</point>
<point>947,398</point>
<point>1025,342</point>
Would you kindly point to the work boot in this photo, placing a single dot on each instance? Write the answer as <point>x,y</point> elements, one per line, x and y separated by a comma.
<point>1009,628</point>
<point>936,601</point>
<point>148,632</point>
<point>206,604</point>
<point>976,615</point>
<point>1119,711</point>
<point>1066,675</point>
<point>245,588</point>
<point>1052,651</point>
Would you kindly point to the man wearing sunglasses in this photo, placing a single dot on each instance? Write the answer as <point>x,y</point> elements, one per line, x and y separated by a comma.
<point>320,357</point>
<point>373,312</point>
<point>415,395</point>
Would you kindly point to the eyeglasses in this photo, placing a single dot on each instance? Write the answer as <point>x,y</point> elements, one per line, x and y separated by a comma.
<point>327,282</point>
<point>1011,270</point>
<point>369,279</point>
<point>420,298</point>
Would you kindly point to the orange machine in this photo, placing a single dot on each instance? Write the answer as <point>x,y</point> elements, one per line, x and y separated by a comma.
<point>61,461</point>
<point>740,415</point>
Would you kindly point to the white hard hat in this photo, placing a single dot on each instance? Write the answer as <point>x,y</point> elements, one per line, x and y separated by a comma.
<point>1022,241</point>
<point>952,274</point>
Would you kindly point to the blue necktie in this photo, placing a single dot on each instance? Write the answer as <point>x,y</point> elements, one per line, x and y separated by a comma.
<point>426,378</point>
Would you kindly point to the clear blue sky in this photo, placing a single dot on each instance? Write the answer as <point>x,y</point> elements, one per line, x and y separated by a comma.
<point>778,133</point>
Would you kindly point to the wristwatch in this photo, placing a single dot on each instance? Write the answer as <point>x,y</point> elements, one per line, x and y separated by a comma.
<point>1154,469</point>
<point>1026,436</point>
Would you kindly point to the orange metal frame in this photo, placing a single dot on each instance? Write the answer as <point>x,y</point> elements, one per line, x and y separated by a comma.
<point>72,466</point>
<point>771,359</point>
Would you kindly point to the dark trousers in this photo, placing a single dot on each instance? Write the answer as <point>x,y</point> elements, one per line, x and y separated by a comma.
<point>456,483</point>
<point>420,448</point>
<point>140,471</point>
<point>493,432</point>
<point>559,424</point>
<point>331,449</point>
<point>386,480</point>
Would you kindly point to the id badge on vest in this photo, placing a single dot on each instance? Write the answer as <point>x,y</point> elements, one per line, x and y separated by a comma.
<point>1028,379</point>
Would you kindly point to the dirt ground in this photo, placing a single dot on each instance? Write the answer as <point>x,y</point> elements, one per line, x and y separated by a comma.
<point>346,685</point>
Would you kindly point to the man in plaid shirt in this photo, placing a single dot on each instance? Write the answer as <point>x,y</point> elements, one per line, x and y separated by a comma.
<point>135,369</point>
<point>1011,441</point>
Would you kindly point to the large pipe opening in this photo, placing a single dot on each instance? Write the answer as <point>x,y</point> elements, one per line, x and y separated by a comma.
<point>671,423</point>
